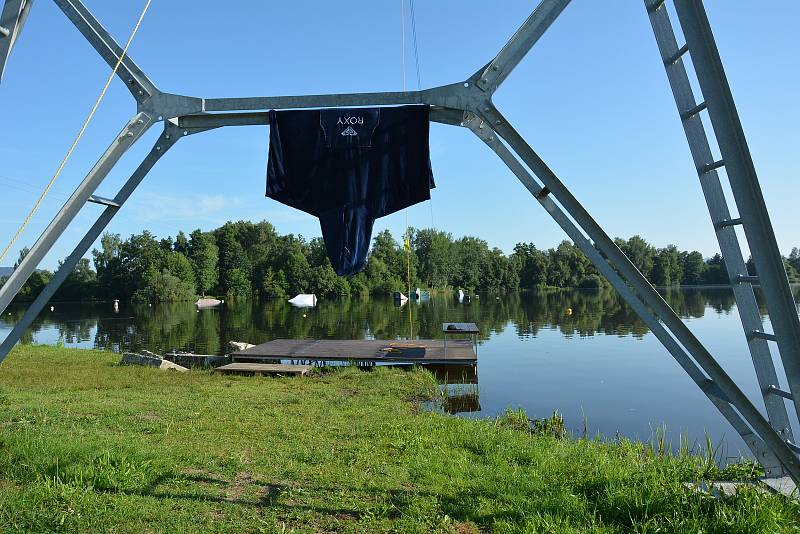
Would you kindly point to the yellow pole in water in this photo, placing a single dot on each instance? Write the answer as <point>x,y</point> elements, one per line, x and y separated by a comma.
<point>407,244</point>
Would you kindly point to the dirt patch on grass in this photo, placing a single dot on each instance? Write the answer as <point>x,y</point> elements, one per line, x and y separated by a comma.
<point>239,486</point>
<point>466,528</point>
<point>149,416</point>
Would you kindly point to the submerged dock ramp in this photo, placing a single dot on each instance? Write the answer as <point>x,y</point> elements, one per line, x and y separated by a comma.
<point>457,352</point>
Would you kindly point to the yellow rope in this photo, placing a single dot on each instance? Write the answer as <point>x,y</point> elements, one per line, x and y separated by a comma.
<point>80,134</point>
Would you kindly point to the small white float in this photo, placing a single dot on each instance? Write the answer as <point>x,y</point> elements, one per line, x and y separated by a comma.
<point>207,303</point>
<point>304,300</point>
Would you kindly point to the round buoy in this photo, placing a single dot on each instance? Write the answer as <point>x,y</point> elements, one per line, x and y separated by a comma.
<point>569,311</point>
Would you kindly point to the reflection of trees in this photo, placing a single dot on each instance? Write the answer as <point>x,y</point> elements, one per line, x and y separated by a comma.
<point>180,326</point>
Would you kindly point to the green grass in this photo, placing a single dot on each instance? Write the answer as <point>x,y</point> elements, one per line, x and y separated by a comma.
<point>89,446</point>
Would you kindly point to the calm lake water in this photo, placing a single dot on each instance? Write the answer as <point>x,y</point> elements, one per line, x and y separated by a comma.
<point>598,364</point>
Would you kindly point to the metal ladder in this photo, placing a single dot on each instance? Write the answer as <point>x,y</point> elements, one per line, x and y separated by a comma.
<point>752,212</point>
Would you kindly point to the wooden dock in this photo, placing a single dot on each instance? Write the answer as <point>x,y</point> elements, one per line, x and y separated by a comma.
<point>264,369</point>
<point>424,351</point>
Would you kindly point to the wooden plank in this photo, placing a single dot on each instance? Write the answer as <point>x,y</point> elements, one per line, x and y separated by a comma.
<point>264,368</point>
<point>364,350</point>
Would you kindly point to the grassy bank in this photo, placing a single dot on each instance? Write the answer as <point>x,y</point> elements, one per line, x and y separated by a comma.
<point>88,446</point>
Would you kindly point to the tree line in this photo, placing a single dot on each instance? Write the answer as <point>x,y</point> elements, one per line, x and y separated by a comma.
<point>251,260</point>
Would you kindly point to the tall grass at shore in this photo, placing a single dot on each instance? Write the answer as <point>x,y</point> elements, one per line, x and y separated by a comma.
<point>90,446</point>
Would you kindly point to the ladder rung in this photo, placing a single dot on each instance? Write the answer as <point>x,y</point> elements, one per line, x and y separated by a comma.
<point>708,167</point>
<point>763,335</point>
<point>728,222</point>
<point>676,56</point>
<point>688,114</point>
<point>543,192</point>
<point>655,5</point>
<point>746,279</point>
<point>774,390</point>
<point>104,201</point>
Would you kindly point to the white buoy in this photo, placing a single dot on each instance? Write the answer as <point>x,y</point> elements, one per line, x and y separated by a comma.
<point>304,300</point>
<point>52,308</point>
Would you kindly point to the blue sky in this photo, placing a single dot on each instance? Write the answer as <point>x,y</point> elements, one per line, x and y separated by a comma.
<point>592,98</point>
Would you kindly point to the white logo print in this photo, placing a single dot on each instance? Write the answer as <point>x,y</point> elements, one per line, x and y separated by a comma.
<point>350,120</point>
<point>349,131</point>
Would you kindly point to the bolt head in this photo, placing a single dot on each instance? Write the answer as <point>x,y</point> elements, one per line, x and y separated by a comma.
<point>498,121</point>
<point>158,148</point>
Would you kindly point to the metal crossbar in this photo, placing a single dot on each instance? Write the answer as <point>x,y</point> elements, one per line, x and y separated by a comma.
<point>467,104</point>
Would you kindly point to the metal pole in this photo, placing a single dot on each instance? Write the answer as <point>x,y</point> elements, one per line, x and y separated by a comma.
<point>746,188</point>
<point>164,143</point>
<point>129,72</point>
<point>754,443</point>
<point>129,135</point>
<point>12,18</point>
<point>643,288</point>
<point>490,78</point>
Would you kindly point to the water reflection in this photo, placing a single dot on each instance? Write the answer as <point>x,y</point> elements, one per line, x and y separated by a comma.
<point>181,326</point>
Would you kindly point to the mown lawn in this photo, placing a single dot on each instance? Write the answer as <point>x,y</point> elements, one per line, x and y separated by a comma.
<point>89,446</point>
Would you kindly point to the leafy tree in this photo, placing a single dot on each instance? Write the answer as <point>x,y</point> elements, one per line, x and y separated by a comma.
<point>640,252</point>
<point>203,255</point>
<point>794,259</point>
<point>79,284</point>
<point>181,244</point>
<point>533,265</point>
<point>472,259</point>
<point>111,276</point>
<point>693,267</point>
<point>178,265</point>
<point>141,255</point>
<point>435,252</point>
<point>164,287</point>
<point>234,265</point>
<point>715,271</point>
<point>667,267</point>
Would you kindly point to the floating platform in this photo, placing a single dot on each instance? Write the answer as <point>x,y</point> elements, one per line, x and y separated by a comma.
<point>418,351</point>
<point>264,369</point>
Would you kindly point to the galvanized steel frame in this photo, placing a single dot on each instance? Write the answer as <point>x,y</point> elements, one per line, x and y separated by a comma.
<point>468,104</point>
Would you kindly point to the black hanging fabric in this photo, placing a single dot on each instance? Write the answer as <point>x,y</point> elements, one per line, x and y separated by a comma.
<point>349,166</point>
